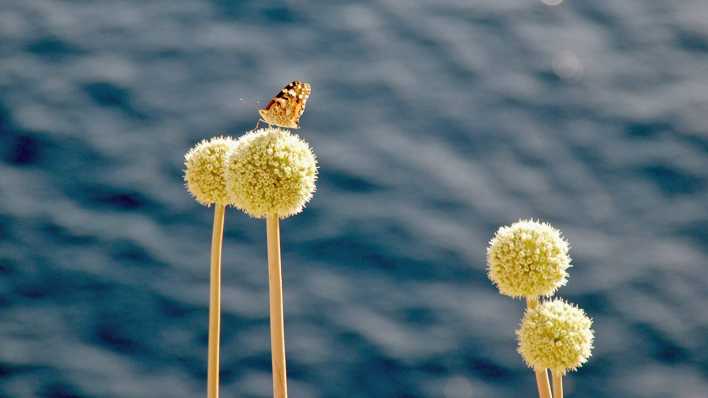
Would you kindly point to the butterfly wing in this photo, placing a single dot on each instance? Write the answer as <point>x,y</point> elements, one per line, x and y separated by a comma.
<point>287,106</point>
<point>299,93</point>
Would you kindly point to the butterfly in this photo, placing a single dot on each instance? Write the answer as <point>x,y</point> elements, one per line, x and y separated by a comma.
<point>287,106</point>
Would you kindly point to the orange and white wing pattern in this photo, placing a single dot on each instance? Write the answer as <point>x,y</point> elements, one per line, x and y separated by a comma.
<point>287,106</point>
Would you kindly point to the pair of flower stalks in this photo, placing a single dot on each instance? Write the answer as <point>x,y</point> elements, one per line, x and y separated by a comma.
<point>268,173</point>
<point>529,260</point>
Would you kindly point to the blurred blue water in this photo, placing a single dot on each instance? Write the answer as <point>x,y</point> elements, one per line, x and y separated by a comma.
<point>434,122</point>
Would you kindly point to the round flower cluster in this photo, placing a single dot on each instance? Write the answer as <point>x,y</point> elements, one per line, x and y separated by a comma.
<point>555,335</point>
<point>204,170</point>
<point>270,171</point>
<point>528,259</point>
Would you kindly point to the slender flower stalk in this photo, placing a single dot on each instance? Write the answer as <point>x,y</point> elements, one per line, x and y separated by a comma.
<point>217,238</point>
<point>557,385</point>
<point>277,324</point>
<point>544,389</point>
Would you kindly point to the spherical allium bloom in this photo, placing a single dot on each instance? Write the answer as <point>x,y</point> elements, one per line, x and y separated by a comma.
<point>204,170</point>
<point>555,335</point>
<point>528,259</point>
<point>271,171</point>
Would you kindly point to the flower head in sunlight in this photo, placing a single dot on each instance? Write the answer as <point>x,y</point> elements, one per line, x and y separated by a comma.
<point>528,259</point>
<point>271,171</point>
<point>204,170</point>
<point>555,335</point>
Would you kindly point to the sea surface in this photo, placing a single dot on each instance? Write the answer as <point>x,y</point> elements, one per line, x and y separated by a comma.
<point>434,121</point>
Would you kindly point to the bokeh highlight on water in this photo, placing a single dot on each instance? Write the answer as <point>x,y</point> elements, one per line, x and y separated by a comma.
<point>434,123</point>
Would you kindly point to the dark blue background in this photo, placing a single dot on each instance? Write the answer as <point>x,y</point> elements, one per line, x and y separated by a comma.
<point>434,122</point>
